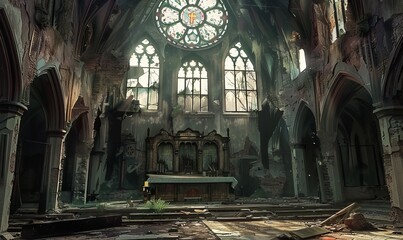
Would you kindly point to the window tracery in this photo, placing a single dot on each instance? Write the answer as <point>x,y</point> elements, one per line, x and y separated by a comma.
<point>192,24</point>
<point>193,87</point>
<point>240,81</point>
<point>143,76</point>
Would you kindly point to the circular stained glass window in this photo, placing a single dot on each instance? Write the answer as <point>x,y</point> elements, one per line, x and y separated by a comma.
<point>192,24</point>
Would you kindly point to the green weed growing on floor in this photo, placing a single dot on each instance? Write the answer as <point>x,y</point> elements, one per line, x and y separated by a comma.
<point>156,205</point>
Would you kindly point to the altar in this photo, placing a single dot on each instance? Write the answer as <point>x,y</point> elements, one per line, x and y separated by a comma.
<point>189,166</point>
<point>184,188</point>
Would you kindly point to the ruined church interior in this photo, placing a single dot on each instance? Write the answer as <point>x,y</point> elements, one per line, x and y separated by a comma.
<point>201,119</point>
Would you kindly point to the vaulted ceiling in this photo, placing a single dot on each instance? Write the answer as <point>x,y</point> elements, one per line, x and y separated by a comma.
<point>110,26</point>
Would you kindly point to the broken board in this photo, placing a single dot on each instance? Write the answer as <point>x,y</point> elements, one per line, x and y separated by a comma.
<point>309,232</point>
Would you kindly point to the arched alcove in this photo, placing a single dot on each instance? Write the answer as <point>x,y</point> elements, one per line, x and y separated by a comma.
<point>349,117</point>
<point>43,119</point>
<point>305,153</point>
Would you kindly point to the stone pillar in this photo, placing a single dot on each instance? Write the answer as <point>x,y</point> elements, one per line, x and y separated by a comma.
<point>10,116</point>
<point>298,169</point>
<point>83,154</point>
<point>333,182</point>
<point>51,171</point>
<point>391,127</point>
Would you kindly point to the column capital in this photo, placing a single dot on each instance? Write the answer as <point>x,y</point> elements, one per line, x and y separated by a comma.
<point>388,111</point>
<point>56,133</point>
<point>12,107</point>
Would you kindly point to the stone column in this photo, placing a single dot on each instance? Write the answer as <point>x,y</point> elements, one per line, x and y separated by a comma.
<point>298,169</point>
<point>51,171</point>
<point>10,116</point>
<point>391,127</point>
<point>330,168</point>
<point>83,154</point>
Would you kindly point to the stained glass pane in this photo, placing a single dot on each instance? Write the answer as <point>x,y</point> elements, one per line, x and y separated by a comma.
<point>181,85</point>
<point>233,52</point>
<point>155,62</point>
<point>208,32</point>
<point>229,80</point>
<point>206,4</point>
<point>188,103</point>
<point>204,87</point>
<point>131,82</point>
<point>229,101</point>
<point>214,17</point>
<point>251,80</point>
<point>169,15</point>
<point>142,97</point>
<point>249,65</point>
<point>181,101</point>
<point>196,104</point>
<point>252,101</point>
<point>239,64</point>
<point>153,99</point>
<point>192,23</point>
<point>196,86</point>
<point>129,93</point>
<point>196,73</point>
<point>204,104</point>
<point>143,80</point>
<point>154,75</point>
<point>240,80</point>
<point>176,31</point>
<point>241,101</point>
<point>179,4</point>
<point>229,64</point>
<point>204,73</point>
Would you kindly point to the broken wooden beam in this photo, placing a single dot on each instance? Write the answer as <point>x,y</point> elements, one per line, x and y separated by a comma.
<point>69,226</point>
<point>340,215</point>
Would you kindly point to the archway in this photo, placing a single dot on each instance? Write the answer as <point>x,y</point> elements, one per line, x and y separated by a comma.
<point>77,147</point>
<point>42,129</point>
<point>305,149</point>
<point>31,152</point>
<point>10,112</point>
<point>349,116</point>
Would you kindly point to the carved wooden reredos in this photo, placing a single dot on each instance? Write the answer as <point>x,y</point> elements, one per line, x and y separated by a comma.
<point>188,152</point>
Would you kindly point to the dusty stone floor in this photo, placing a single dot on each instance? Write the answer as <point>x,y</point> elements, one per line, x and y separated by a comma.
<point>245,230</point>
<point>205,228</point>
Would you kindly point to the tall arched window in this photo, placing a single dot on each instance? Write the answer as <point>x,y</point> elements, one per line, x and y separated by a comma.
<point>240,81</point>
<point>143,76</point>
<point>193,87</point>
<point>338,19</point>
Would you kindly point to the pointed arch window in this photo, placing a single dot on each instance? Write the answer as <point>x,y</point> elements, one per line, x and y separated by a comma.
<point>193,87</point>
<point>240,81</point>
<point>143,76</point>
<point>339,18</point>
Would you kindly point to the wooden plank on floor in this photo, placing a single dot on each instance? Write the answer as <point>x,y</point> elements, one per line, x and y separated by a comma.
<point>69,226</point>
<point>309,232</point>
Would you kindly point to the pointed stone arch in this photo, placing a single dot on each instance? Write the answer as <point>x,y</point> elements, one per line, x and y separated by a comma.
<point>51,95</point>
<point>344,86</point>
<point>393,84</point>
<point>11,80</point>
<point>303,113</point>
<point>351,139</point>
<point>307,176</point>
